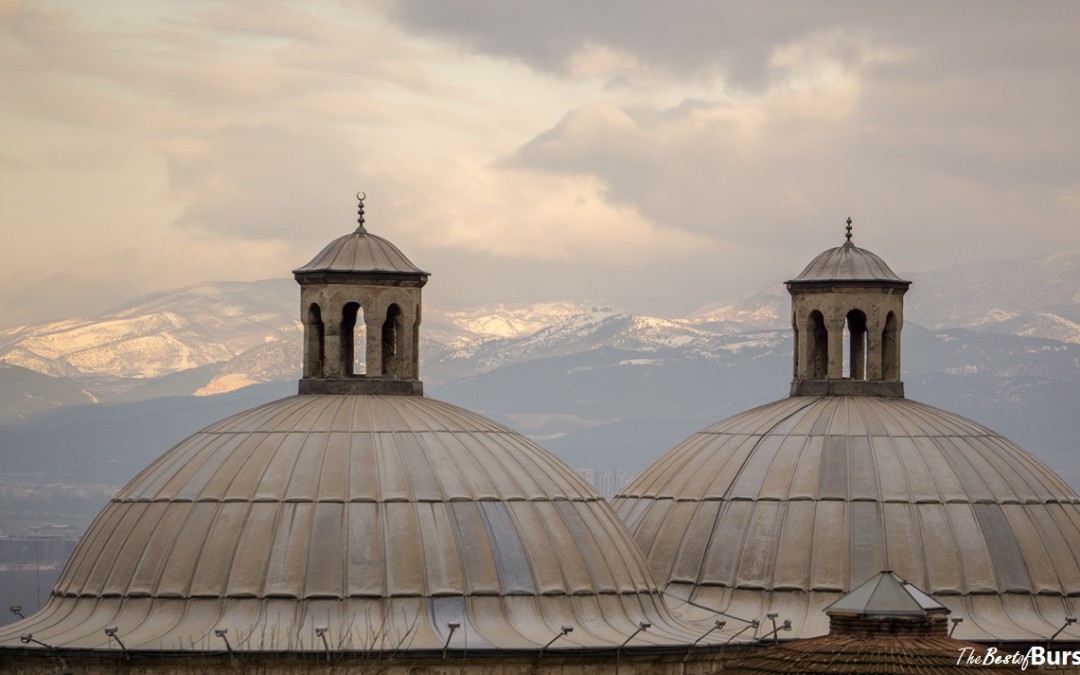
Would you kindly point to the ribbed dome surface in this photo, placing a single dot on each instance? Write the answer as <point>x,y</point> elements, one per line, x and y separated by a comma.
<point>361,251</point>
<point>384,518</point>
<point>847,263</point>
<point>785,506</point>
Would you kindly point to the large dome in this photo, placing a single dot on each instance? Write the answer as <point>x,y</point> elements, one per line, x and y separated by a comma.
<point>787,506</point>
<point>382,518</point>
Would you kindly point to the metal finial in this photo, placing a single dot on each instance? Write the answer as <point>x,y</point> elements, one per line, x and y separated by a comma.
<point>360,197</point>
<point>848,235</point>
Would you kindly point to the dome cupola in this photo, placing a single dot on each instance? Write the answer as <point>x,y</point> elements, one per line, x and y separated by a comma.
<point>784,508</point>
<point>358,517</point>
<point>360,304</point>
<point>847,293</point>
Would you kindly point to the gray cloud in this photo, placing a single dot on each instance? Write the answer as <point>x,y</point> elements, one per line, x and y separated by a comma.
<point>268,182</point>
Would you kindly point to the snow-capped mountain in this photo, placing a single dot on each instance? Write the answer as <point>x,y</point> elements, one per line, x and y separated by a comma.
<point>1031,297</point>
<point>218,337</point>
<point>599,386</point>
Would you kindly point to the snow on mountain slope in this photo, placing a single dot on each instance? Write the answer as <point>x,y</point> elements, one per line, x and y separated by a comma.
<point>159,334</point>
<point>227,335</point>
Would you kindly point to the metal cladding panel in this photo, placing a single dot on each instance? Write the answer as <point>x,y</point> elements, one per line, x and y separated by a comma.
<point>511,563</point>
<point>443,566</point>
<point>847,263</point>
<point>889,470</point>
<point>690,551</point>
<point>1011,571</point>
<point>557,563</point>
<point>682,474</point>
<point>630,509</point>
<point>253,550</point>
<point>363,470</point>
<point>671,541</point>
<point>151,481</point>
<point>867,551</point>
<point>828,570</point>
<point>977,565</point>
<point>721,561</point>
<point>776,483</point>
<point>365,557</point>
<point>604,574</point>
<point>661,476</point>
<point>286,568</point>
<point>475,548</point>
<point>361,251</point>
<point>833,475</point>
<point>804,484</point>
<point>404,550</point>
<point>943,562</point>
<point>176,577</point>
<point>947,485</point>
<point>155,546</point>
<point>791,570</point>
<point>210,574</point>
<point>713,468</point>
<point>275,478</point>
<point>863,481</point>
<point>1062,540</point>
<point>904,554</point>
<point>122,574</point>
<point>759,546</point>
<point>307,464</point>
<point>920,479</point>
<point>326,562</point>
<point>752,472</point>
<point>1036,564</point>
<point>393,480</point>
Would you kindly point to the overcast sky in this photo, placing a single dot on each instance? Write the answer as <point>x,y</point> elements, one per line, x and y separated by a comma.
<point>657,156</point>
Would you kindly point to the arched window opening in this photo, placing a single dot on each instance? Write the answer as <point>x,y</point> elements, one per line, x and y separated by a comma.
<point>855,328</point>
<point>795,361</point>
<point>414,366</point>
<point>890,349</point>
<point>392,350</point>
<point>314,342</point>
<point>819,346</point>
<point>353,340</point>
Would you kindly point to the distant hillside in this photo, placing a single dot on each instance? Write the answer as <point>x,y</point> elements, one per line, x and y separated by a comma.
<point>24,393</point>
<point>1032,297</point>
<point>599,386</point>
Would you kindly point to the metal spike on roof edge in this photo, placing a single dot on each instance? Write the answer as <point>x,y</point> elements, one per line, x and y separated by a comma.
<point>360,197</point>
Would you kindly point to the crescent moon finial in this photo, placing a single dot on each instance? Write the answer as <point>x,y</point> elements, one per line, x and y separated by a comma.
<point>360,197</point>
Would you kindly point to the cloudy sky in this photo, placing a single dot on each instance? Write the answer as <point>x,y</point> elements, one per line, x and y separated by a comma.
<point>657,156</point>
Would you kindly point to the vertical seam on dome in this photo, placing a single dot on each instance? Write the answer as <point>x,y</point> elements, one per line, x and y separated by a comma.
<point>760,435</point>
<point>948,521</point>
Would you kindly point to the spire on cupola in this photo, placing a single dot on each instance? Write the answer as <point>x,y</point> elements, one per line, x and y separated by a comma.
<point>361,308</point>
<point>847,288</point>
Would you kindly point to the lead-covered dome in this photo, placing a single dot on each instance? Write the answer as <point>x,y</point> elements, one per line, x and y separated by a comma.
<point>847,264</point>
<point>360,252</point>
<point>382,518</point>
<point>787,506</point>
<point>358,516</point>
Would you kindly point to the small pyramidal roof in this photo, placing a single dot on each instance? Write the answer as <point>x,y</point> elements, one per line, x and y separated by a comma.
<point>360,254</point>
<point>848,263</point>
<point>885,595</point>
